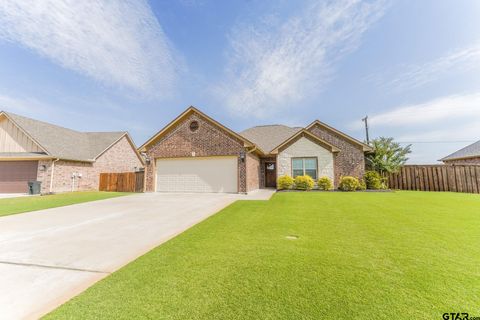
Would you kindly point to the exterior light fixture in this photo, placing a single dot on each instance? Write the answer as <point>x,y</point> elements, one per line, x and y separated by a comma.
<point>242,156</point>
<point>146,157</point>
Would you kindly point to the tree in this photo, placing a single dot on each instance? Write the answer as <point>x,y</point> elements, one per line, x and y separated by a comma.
<point>388,156</point>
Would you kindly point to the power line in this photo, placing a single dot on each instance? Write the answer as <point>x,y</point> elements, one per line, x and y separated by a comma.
<point>416,112</point>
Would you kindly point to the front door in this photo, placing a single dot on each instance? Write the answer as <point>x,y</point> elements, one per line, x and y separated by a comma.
<point>270,174</point>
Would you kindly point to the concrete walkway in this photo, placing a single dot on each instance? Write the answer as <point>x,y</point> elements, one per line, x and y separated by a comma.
<point>49,256</point>
<point>13,195</point>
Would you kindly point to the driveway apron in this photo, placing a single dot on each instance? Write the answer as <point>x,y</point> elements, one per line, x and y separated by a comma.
<point>49,256</point>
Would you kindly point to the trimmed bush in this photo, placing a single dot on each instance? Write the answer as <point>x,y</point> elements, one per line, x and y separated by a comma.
<point>284,182</point>
<point>348,183</point>
<point>373,180</point>
<point>324,183</point>
<point>362,186</point>
<point>304,183</point>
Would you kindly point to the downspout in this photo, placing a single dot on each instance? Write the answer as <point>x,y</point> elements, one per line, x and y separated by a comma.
<point>51,174</point>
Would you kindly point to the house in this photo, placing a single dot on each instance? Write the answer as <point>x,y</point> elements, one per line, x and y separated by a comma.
<point>468,155</point>
<point>195,153</point>
<point>61,159</point>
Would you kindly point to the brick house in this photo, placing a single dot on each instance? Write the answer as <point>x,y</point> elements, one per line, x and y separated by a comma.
<point>470,155</point>
<point>195,153</point>
<point>60,158</point>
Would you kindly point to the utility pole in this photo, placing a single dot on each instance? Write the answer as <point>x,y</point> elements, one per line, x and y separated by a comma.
<point>366,128</point>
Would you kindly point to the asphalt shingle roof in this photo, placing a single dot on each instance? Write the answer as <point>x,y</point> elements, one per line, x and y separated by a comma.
<point>65,143</point>
<point>472,150</point>
<point>270,136</point>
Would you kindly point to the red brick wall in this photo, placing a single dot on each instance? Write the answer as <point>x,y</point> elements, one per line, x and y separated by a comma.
<point>208,140</point>
<point>350,161</point>
<point>119,158</point>
<point>469,161</point>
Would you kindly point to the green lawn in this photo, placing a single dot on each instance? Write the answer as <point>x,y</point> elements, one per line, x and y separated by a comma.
<point>404,255</point>
<point>10,206</point>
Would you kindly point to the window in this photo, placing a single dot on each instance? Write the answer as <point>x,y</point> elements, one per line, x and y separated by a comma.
<point>194,126</point>
<point>304,166</point>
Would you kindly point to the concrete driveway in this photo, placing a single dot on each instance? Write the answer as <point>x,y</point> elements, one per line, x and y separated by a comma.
<point>49,256</point>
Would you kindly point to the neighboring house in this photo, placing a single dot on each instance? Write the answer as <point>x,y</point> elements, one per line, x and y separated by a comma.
<point>195,153</point>
<point>61,159</point>
<point>468,155</point>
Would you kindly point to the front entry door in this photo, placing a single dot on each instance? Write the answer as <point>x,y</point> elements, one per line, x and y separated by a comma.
<point>270,174</point>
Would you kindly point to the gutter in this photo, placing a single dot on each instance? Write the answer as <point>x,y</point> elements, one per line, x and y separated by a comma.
<point>254,148</point>
<point>51,174</point>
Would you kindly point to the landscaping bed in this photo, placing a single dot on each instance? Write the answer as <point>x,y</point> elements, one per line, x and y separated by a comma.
<point>335,190</point>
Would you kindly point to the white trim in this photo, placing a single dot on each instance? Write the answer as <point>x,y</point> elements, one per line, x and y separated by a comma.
<point>366,147</point>
<point>52,172</point>
<point>303,165</point>
<point>192,109</point>
<point>24,132</point>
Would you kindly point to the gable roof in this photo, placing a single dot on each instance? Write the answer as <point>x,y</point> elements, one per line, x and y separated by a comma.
<point>63,143</point>
<point>366,147</point>
<point>270,136</point>
<point>265,139</point>
<point>470,151</point>
<point>307,134</point>
<point>186,113</point>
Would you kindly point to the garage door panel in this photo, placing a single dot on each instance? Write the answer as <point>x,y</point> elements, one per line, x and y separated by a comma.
<point>14,175</point>
<point>197,175</point>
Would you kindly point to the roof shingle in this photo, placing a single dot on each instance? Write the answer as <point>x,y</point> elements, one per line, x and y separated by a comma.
<point>270,136</point>
<point>65,143</point>
<point>469,151</point>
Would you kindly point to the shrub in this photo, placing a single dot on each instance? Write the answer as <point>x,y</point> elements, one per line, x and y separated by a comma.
<point>373,180</point>
<point>284,182</point>
<point>324,183</point>
<point>304,183</point>
<point>362,186</point>
<point>348,183</point>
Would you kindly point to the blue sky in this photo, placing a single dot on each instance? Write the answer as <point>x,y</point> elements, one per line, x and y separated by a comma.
<point>412,66</point>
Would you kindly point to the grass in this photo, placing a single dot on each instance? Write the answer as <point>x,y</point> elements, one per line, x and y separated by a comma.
<point>11,206</point>
<point>403,255</point>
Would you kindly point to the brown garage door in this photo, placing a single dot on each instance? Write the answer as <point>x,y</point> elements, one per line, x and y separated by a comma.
<point>14,175</point>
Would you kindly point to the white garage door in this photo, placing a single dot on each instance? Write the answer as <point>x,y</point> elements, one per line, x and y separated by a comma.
<point>197,174</point>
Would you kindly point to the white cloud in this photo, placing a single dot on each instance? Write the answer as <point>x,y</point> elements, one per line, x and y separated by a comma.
<point>465,107</point>
<point>435,128</point>
<point>460,60</point>
<point>78,116</point>
<point>40,110</point>
<point>115,42</point>
<point>271,65</point>
<point>28,107</point>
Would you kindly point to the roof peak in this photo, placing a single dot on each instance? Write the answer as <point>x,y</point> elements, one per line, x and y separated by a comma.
<point>59,126</point>
<point>65,143</point>
<point>273,125</point>
<point>41,121</point>
<point>93,132</point>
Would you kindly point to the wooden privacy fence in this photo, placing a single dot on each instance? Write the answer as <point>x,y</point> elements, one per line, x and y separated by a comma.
<point>122,182</point>
<point>455,178</point>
